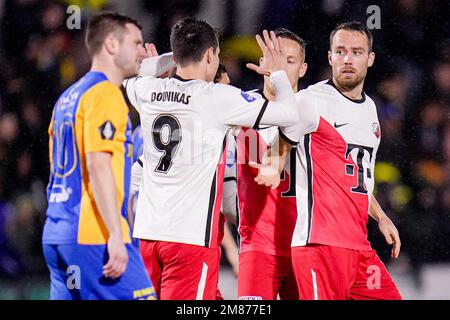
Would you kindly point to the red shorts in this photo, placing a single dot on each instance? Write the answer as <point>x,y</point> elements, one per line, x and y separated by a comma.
<point>181,271</point>
<point>332,273</point>
<point>264,276</point>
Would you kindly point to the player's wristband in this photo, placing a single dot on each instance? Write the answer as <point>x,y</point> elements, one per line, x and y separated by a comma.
<point>156,66</point>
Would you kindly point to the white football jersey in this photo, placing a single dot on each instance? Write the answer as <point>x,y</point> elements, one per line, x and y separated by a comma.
<point>337,140</point>
<point>184,126</point>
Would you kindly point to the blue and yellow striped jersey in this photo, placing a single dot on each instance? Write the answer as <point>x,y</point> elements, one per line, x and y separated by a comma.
<point>90,116</point>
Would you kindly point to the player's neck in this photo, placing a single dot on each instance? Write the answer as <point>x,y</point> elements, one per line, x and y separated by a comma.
<point>195,72</point>
<point>113,73</point>
<point>354,93</point>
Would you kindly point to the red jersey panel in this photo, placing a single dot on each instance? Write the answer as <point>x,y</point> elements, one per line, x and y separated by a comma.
<point>266,216</point>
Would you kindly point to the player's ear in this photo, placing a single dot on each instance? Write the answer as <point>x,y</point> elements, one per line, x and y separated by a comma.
<point>329,57</point>
<point>110,44</point>
<point>371,59</point>
<point>303,69</point>
<point>210,55</point>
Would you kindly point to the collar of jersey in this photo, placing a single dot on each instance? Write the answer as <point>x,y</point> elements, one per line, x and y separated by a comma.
<point>363,99</point>
<point>180,78</point>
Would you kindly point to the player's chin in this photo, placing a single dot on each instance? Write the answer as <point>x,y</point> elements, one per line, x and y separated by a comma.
<point>348,80</point>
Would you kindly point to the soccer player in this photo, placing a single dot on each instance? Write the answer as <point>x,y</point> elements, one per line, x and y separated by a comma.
<point>267,216</point>
<point>337,136</point>
<point>185,120</point>
<point>86,238</point>
<point>229,198</point>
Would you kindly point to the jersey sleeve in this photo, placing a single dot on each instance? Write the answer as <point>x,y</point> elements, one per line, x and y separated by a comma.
<point>229,203</point>
<point>138,88</point>
<point>307,121</point>
<point>105,118</point>
<point>136,175</point>
<point>237,108</point>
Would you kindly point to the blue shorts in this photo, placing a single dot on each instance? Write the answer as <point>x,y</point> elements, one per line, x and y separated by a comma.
<point>76,272</point>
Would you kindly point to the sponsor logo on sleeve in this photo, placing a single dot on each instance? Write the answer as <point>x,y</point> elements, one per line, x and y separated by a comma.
<point>376,130</point>
<point>107,130</point>
<point>247,97</point>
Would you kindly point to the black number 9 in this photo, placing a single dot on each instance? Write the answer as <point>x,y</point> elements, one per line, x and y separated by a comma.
<point>170,144</point>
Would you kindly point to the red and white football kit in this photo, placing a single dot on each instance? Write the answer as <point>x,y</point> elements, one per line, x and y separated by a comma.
<point>184,126</point>
<point>266,221</point>
<point>337,140</point>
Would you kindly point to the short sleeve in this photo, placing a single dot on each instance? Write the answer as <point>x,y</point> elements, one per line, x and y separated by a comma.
<point>230,179</point>
<point>138,89</point>
<point>105,118</point>
<point>308,118</point>
<point>237,108</point>
<point>131,90</point>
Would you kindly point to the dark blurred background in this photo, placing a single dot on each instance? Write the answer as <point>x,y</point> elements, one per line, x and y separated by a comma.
<point>410,83</point>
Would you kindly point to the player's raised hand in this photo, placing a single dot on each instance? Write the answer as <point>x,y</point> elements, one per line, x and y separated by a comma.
<point>273,58</point>
<point>118,257</point>
<point>151,51</point>
<point>268,174</point>
<point>390,233</point>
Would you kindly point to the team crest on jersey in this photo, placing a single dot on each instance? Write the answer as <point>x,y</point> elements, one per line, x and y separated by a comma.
<point>376,130</point>
<point>107,130</point>
<point>247,97</point>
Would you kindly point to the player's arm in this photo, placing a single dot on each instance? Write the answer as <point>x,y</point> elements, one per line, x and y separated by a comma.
<point>104,190</point>
<point>104,127</point>
<point>236,108</point>
<point>387,228</point>
<point>135,183</point>
<point>307,122</point>
<point>136,175</point>
<point>229,197</point>
<point>153,66</point>
<point>273,163</point>
<point>231,249</point>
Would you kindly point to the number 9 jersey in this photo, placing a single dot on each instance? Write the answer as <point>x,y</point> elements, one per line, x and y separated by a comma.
<point>184,126</point>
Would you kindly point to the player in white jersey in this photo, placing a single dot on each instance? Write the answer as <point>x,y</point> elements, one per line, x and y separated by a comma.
<point>229,205</point>
<point>184,122</point>
<point>337,137</point>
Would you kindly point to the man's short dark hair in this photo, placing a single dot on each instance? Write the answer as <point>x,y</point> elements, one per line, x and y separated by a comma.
<point>220,70</point>
<point>288,34</point>
<point>190,38</point>
<point>103,24</point>
<point>354,26</point>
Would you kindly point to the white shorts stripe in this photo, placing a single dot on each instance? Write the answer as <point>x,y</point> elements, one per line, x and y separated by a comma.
<point>202,282</point>
<point>314,280</point>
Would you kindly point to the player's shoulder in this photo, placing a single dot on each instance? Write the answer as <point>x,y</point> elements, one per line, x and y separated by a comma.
<point>104,95</point>
<point>232,92</point>
<point>313,92</point>
<point>321,88</point>
<point>105,88</point>
<point>369,99</point>
<point>144,82</point>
